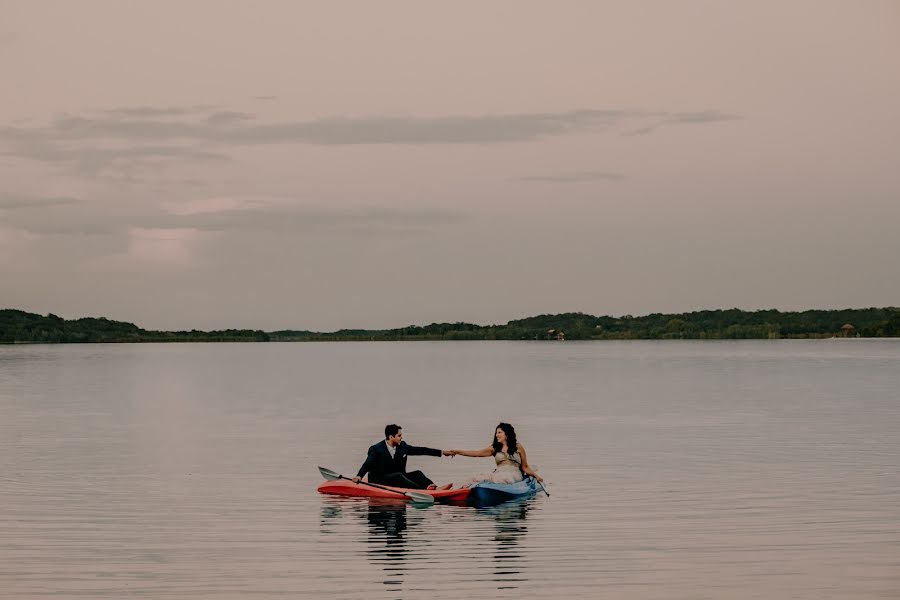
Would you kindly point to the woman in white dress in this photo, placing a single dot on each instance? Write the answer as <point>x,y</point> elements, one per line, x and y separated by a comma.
<point>511,466</point>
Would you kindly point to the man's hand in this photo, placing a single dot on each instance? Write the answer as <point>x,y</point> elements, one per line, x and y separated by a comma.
<point>449,453</point>
<point>356,479</point>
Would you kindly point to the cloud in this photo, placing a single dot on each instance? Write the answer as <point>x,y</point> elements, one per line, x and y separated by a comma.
<point>228,117</point>
<point>213,205</point>
<point>234,214</point>
<point>705,116</point>
<point>26,201</point>
<point>296,215</point>
<point>103,158</point>
<point>230,127</point>
<point>151,111</point>
<point>67,219</point>
<point>683,118</point>
<point>477,129</point>
<point>123,140</point>
<point>643,130</point>
<point>574,177</point>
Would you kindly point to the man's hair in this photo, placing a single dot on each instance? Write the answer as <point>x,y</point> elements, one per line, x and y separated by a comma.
<point>391,429</point>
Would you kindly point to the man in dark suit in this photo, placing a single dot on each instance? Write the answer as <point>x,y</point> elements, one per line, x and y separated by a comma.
<point>386,462</point>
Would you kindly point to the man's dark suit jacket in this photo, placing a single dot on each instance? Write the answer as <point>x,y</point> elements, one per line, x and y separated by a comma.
<point>379,462</point>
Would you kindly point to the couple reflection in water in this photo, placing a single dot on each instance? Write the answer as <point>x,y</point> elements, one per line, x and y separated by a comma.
<point>385,461</point>
<point>392,543</point>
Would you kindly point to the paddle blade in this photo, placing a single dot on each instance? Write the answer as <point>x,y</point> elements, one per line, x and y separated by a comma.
<point>419,498</point>
<point>329,474</point>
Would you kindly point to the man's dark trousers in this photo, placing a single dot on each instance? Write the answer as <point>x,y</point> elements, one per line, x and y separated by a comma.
<point>415,480</point>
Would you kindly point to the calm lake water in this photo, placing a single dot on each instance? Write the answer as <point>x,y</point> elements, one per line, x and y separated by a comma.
<point>676,470</point>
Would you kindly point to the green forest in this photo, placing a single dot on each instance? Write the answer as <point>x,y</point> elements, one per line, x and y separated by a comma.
<point>17,326</point>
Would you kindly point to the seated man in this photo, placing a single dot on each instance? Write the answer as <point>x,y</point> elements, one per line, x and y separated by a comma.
<point>386,462</point>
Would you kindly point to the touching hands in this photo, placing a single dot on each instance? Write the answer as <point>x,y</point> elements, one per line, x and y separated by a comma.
<point>450,453</point>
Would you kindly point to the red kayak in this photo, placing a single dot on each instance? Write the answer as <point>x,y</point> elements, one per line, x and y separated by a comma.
<point>348,488</point>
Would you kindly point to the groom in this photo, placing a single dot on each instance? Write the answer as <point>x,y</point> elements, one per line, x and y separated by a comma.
<point>386,462</point>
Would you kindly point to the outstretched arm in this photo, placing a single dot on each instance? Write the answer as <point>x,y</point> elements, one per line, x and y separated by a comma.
<point>422,450</point>
<point>474,453</point>
<point>525,468</point>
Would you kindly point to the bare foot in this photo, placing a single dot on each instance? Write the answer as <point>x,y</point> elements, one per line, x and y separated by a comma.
<point>446,487</point>
<point>431,487</point>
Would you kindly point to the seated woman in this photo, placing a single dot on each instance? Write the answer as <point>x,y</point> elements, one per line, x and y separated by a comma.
<point>510,465</point>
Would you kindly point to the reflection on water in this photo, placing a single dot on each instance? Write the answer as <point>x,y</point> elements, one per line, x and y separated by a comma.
<point>387,523</point>
<point>397,537</point>
<point>384,536</point>
<point>509,520</point>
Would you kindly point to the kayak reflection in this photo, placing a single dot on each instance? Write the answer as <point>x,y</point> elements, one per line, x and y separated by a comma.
<point>511,527</point>
<point>386,524</point>
<point>404,541</point>
<point>387,546</point>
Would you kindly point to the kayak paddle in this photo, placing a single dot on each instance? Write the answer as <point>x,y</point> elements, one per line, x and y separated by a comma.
<point>414,496</point>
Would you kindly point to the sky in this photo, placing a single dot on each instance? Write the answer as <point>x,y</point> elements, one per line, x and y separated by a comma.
<point>322,165</point>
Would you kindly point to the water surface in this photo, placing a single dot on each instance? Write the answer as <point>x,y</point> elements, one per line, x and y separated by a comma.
<point>677,470</point>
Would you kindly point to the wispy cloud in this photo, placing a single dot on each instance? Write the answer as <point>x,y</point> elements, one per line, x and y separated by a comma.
<point>287,215</point>
<point>474,129</point>
<point>294,215</point>
<point>230,127</point>
<point>27,201</point>
<point>158,111</point>
<point>686,118</point>
<point>573,177</point>
<point>227,117</point>
<point>99,158</point>
<point>116,139</point>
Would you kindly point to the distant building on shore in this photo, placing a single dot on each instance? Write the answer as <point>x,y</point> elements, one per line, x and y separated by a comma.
<point>553,334</point>
<point>848,330</point>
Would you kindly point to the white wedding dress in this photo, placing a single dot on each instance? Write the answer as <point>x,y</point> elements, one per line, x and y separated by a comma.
<point>509,470</point>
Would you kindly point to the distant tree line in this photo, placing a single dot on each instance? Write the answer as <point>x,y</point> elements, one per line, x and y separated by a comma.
<point>17,326</point>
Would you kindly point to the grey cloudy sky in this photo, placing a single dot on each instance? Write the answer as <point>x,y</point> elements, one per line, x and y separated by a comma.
<point>324,165</point>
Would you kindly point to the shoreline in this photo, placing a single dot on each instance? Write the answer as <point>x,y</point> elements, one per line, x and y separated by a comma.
<point>18,327</point>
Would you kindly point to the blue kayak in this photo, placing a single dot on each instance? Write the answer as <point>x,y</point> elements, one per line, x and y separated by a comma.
<point>493,493</point>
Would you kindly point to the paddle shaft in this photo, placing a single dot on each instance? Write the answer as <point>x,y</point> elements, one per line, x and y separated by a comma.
<point>381,487</point>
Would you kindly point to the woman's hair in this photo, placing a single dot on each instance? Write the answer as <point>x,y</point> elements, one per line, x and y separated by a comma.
<point>510,438</point>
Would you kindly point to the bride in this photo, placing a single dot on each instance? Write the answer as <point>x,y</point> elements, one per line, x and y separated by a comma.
<point>511,466</point>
